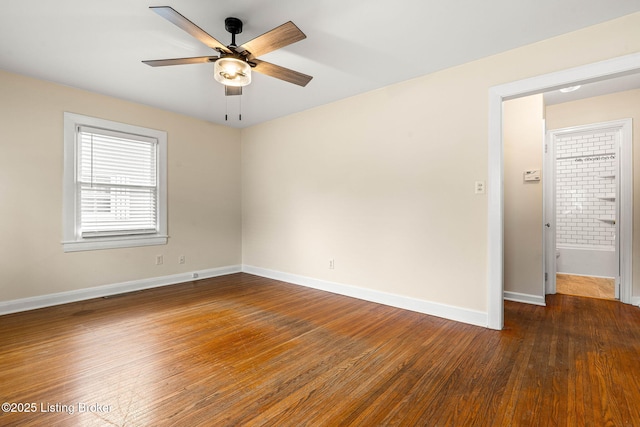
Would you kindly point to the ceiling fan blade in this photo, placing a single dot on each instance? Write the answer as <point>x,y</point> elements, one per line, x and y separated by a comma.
<point>171,15</point>
<point>180,61</point>
<point>281,73</point>
<point>281,36</point>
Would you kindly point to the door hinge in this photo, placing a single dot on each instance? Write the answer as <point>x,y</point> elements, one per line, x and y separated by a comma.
<point>546,277</point>
<point>546,148</point>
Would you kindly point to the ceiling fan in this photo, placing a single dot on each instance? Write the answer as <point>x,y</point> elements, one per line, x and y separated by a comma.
<point>234,64</point>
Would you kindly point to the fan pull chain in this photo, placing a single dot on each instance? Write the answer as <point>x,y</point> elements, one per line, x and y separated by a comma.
<point>226,104</point>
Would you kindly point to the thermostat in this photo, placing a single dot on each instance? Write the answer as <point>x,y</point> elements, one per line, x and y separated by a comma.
<point>532,175</point>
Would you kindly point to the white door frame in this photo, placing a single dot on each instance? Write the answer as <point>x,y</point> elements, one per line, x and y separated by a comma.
<point>624,201</point>
<point>597,71</point>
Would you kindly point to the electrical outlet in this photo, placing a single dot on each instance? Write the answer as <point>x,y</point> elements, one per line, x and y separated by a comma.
<point>181,259</point>
<point>159,259</point>
<point>332,264</point>
<point>480,187</point>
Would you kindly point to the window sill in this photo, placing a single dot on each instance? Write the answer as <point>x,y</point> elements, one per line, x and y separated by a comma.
<point>113,243</point>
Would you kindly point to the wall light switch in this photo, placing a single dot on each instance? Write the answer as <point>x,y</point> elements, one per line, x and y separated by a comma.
<point>480,187</point>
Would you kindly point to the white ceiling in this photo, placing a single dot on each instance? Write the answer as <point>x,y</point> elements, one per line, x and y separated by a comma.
<point>351,47</point>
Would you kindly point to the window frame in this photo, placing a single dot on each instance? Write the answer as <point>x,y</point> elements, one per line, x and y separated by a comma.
<point>72,238</point>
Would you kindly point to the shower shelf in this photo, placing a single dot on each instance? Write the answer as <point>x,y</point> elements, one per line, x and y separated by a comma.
<point>607,220</point>
<point>607,176</point>
<point>610,197</point>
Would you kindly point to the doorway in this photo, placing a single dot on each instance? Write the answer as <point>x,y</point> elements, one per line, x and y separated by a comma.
<point>582,198</point>
<point>598,71</point>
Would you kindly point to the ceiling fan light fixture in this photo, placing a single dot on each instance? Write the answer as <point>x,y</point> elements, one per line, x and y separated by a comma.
<point>232,72</point>
<point>235,64</point>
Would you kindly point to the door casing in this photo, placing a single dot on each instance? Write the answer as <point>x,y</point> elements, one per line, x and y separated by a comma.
<point>624,203</point>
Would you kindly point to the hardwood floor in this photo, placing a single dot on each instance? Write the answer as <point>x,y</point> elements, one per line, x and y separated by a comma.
<point>585,286</point>
<point>243,350</point>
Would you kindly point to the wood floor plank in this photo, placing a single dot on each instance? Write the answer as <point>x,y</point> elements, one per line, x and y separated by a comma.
<point>244,350</point>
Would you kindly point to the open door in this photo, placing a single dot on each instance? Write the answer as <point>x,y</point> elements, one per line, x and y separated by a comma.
<point>549,216</point>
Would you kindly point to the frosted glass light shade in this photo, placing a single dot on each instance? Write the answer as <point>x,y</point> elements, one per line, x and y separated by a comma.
<point>232,72</point>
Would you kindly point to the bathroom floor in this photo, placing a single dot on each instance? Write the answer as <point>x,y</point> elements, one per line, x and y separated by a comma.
<point>593,287</point>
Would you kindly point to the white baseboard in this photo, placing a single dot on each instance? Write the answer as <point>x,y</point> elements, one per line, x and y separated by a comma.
<point>525,298</point>
<point>24,304</point>
<point>458,314</point>
<point>536,300</point>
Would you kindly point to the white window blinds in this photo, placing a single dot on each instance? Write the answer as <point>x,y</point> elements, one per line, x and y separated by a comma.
<point>117,183</point>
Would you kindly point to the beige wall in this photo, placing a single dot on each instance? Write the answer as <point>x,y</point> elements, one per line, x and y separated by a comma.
<point>615,106</point>
<point>523,134</point>
<point>203,193</point>
<point>384,182</point>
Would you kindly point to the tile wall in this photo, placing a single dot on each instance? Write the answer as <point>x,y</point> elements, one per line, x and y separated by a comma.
<point>585,189</point>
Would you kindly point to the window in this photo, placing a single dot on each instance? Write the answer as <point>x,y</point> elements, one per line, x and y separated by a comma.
<point>114,185</point>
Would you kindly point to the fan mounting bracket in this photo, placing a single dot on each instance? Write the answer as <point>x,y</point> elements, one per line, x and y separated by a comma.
<point>233,25</point>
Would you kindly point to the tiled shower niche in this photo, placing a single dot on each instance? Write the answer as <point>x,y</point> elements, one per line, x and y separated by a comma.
<point>586,189</point>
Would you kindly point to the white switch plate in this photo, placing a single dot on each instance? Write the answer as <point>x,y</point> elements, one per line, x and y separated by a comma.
<point>480,187</point>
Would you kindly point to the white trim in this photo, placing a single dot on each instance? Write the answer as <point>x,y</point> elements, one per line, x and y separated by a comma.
<point>625,215</point>
<point>71,241</point>
<point>458,314</point>
<point>525,298</point>
<point>24,304</point>
<point>495,226</point>
<point>106,243</point>
<point>495,246</point>
<point>586,247</point>
<point>635,301</point>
